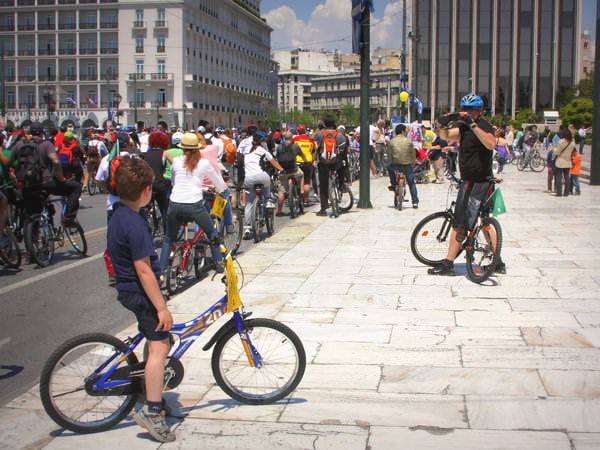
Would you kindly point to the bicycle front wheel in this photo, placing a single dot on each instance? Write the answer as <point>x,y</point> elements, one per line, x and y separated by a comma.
<point>429,239</point>
<point>10,255</point>
<point>66,388</point>
<point>39,240</point>
<point>281,367</point>
<point>92,187</point>
<point>522,163</point>
<point>76,237</point>
<point>399,196</point>
<point>346,200</point>
<point>537,163</point>
<point>483,250</point>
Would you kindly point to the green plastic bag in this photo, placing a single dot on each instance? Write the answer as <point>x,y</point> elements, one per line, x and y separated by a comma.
<point>499,205</point>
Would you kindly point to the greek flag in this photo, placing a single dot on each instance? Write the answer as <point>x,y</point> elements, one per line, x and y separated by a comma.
<point>419,105</point>
<point>71,101</point>
<point>358,8</point>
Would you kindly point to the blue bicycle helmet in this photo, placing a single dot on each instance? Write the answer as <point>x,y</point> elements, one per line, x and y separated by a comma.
<point>471,101</point>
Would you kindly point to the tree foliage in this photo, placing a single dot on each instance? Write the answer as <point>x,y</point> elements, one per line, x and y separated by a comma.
<point>578,112</point>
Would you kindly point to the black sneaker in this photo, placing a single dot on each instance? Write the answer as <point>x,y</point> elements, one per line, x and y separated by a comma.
<point>501,268</point>
<point>446,267</point>
<point>321,213</point>
<point>391,188</point>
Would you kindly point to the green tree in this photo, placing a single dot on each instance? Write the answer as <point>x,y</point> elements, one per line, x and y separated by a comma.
<point>349,116</point>
<point>578,111</point>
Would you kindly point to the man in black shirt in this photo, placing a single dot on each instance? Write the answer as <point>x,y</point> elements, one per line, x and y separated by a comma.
<point>477,144</point>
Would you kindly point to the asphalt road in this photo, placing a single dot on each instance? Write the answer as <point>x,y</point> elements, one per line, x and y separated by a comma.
<point>42,307</point>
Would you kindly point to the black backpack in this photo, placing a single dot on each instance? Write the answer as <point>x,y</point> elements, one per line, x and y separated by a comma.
<point>287,158</point>
<point>29,169</point>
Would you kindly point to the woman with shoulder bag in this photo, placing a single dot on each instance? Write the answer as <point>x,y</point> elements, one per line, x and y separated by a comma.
<point>562,163</point>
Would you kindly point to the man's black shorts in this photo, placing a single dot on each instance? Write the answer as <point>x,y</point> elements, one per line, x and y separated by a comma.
<point>145,312</point>
<point>469,198</point>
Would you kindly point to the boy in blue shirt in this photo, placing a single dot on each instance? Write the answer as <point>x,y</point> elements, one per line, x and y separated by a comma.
<point>137,270</point>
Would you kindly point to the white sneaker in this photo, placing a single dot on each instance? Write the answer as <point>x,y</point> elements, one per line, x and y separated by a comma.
<point>155,424</point>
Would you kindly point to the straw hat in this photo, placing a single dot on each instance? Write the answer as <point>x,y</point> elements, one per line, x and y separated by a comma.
<point>190,142</point>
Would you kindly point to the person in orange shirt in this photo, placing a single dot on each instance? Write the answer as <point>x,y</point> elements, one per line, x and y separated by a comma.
<point>575,172</point>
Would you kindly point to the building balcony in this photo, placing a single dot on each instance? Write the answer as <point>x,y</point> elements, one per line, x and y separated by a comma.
<point>46,2</point>
<point>9,78</point>
<point>66,51</point>
<point>109,1</point>
<point>160,24</point>
<point>47,77</point>
<point>87,25</point>
<point>7,3</point>
<point>9,52</point>
<point>111,24</point>
<point>46,26</point>
<point>87,1</point>
<point>27,52</point>
<point>67,77</point>
<point>109,51</point>
<point>88,51</point>
<point>66,26</point>
<point>151,77</point>
<point>46,51</point>
<point>139,24</point>
<point>161,49</point>
<point>139,49</point>
<point>25,2</point>
<point>160,76</point>
<point>88,77</point>
<point>26,77</point>
<point>26,27</point>
<point>66,2</point>
<point>7,27</point>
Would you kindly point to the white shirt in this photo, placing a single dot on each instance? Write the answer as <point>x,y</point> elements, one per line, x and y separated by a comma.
<point>219,143</point>
<point>187,186</point>
<point>245,145</point>
<point>102,176</point>
<point>252,162</point>
<point>100,145</point>
<point>144,142</point>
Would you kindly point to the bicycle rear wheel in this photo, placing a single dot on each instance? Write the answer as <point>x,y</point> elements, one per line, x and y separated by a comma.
<point>39,240</point>
<point>294,200</point>
<point>76,237</point>
<point>483,250</point>
<point>281,367</point>
<point>10,255</point>
<point>232,240</point>
<point>66,388</point>
<point>257,220</point>
<point>334,198</point>
<point>270,221</point>
<point>173,270</point>
<point>200,260</point>
<point>92,187</point>
<point>522,163</point>
<point>429,239</point>
<point>399,195</point>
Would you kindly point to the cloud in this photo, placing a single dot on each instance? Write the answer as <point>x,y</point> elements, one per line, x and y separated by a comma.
<point>329,27</point>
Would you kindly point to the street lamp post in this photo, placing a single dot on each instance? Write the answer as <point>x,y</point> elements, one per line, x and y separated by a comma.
<point>135,100</point>
<point>185,127</point>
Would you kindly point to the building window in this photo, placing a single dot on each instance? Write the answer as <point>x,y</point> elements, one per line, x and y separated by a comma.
<point>139,68</point>
<point>139,44</point>
<point>160,44</point>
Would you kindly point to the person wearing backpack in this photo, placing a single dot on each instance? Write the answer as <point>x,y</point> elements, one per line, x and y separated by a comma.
<point>70,155</point>
<point>329,145</point>
<point>307,145</point>
<point>39,169</point>
<point>287,154</point>
<point>229,152</point>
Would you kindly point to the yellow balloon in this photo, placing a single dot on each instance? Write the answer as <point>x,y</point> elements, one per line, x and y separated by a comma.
<point>403,96</point>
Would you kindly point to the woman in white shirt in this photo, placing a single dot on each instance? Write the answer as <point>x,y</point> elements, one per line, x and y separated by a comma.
<point>187,175</point>
<point>254,174</point>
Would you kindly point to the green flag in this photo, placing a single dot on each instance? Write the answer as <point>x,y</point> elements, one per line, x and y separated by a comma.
<point>499,205</point>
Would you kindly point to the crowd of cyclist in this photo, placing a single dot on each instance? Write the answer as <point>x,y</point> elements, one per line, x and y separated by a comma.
<point>184,162</point>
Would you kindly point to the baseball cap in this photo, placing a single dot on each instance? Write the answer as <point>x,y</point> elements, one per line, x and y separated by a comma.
<point>301,128</point>
<point>123,138</point>
<point>69,134</point>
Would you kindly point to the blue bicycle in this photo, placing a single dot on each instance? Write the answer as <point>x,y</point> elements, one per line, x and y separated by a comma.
<point>91,382</point>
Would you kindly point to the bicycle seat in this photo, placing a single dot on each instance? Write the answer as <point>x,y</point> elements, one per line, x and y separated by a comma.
<point>184,217</point>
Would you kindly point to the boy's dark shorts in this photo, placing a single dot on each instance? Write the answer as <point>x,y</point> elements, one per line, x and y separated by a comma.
<point>145,312</point>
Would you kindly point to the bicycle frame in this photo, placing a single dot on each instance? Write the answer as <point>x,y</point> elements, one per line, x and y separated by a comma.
<point>187,333</point>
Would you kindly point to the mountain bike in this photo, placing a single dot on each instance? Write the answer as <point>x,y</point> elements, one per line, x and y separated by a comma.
<point>93,187</point>
<point>10,254</point>
<point>91,382</point>
<point>42,236</point>
<point>400,189</point>
<point>262,216</point>
<point>531,158</point>
<point>156,221</point>
<point>482,244</point>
